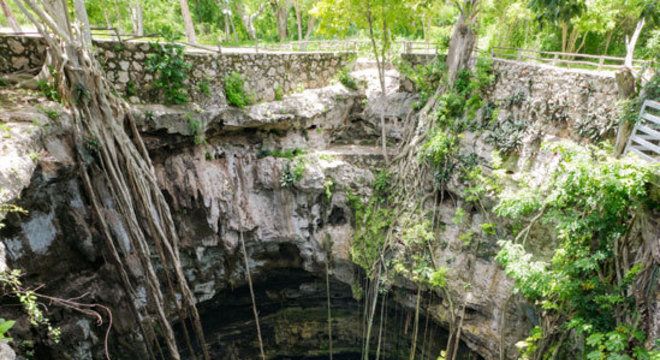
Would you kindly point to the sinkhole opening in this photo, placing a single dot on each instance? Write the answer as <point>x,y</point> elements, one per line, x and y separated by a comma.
<point>293,314</point>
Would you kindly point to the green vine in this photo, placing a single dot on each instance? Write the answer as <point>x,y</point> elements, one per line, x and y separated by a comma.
<point>591,201</point>
<point>171,70</point>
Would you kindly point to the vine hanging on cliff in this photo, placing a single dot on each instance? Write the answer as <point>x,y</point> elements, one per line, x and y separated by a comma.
<point>594,290</point>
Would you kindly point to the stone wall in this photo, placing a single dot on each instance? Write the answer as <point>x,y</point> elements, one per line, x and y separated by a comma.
<point>124,63</point>
<point>418,59</point>
<point>580,104</point>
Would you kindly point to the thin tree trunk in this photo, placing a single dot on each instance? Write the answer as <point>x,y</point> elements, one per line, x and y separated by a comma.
<point>381,77</point>
<point>233,28</point>
<point>248,20</point>
<point>137,16</point>
<point>458,334</point>
<point>310,28</point>
<point>380,326</point>
<point>371,311</point>
<point>462,44</point>
<point>564,36</point>
<point>119,21</point>
<point>81,14</point>
<point>632,42</point>
<point>625,81</point>
<point>298,19</point>
<point>254,301</point>
<point>9,16</point>
<point>188,22</point>
<point>226,26</point>
<point>280,9</point>
<point>608,41</point>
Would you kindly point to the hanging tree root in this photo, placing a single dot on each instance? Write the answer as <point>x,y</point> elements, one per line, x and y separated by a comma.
<point>124,167</point>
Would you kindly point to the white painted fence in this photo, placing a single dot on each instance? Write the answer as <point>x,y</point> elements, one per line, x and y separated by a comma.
<point>645,138</point>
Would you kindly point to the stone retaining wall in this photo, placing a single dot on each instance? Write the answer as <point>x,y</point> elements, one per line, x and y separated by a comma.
<point>582,103</point>
<point>124,64</point>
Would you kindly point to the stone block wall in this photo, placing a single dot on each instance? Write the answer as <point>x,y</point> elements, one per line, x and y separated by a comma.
<point>124,64</point>
<point>582,104</point>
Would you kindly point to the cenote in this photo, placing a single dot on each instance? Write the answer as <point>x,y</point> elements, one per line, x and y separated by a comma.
<point>293,315</point>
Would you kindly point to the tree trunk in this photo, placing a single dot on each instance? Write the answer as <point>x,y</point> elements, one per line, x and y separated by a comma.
<point>119,21</point>
<point>608,41</point>
<point>9,16</point>
<point>81,14</point>
<point>632,42</point>
<point>381,74</point>
<point>248,20</point>
<point>188,22</point>
<point>137,17</point>
<point>461,46</point>
<point>233,28</point>
<point>280,9</point>
<point>310,28</point>
<point>298,19</point>
<point>625,82</point>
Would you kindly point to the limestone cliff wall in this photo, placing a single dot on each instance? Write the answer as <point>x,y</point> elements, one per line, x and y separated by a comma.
<point>231,183</point>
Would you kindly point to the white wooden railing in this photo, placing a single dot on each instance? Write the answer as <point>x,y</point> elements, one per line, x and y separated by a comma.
<point>645,138</point>
<point>599,62</point>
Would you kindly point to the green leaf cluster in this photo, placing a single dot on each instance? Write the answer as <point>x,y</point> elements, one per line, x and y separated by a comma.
<point>167,62</point>
<point>235,91</point>
<point>590,202</point>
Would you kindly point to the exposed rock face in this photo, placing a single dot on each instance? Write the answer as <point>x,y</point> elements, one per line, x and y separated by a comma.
<point>217,169</point>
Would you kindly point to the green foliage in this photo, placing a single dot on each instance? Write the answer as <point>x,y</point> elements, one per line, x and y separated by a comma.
<point>4,81</point>
<point>328,188</point>
<point>10,280</point>
<point>458,106</point>
<point>346,79</point>
<point>438,278</point>
<point>507,135</point>
<point>131,88</point>
<point>553,11</point>
<point>50,113</point>
<point>196,129</point>
<point>371,222</point>
<point>293,175</point>
<point>49,90</point>
<point>168,64</point>
<point>204,88</point>
<point>590,201</point>
<point>383,184</point>
<point>630,108</point>
<point>437,150</point>
<point>425,79</point>
<point>418,234</point>
<point>5,326</point>
<point>235,90</point>
<point>279,92</point>
<point>282,153</point>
